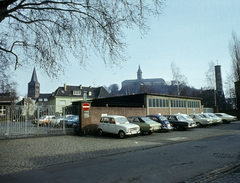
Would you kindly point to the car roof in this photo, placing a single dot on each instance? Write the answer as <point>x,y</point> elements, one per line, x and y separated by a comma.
<point>136,116</point>
<point>112,116</point>
<point>156,115</point>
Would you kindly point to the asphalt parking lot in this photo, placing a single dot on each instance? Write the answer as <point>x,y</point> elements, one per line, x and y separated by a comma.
<point>17,155</point>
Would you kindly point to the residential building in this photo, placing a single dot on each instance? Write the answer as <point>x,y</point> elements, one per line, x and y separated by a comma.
<point>6,101</point>
<point>65,95</point>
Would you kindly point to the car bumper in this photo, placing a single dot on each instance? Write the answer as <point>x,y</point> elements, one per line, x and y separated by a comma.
<point>133,133</point>
<point>166,128</point>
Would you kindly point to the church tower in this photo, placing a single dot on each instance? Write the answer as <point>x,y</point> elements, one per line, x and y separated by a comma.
<point>34,86</point>
<point>139,73</point>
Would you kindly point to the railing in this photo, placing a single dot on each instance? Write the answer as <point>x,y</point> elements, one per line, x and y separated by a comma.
<point>18,122</point>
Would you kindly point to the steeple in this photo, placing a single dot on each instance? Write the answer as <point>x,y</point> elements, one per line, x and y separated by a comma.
<point>34,77</point>
<point>34,86</point>
<point>139,73</point>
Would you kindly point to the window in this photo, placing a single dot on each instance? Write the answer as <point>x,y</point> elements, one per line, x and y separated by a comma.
<point>75,92</point>
<point>106,120</point>
<point>45,99</point>
<point>62,102</point>
<point>178,103</point>
<point>193,104</point>
<point>40,100</point>
<point>90,93</point>
<point>2,110</point>
<point>154,102</point>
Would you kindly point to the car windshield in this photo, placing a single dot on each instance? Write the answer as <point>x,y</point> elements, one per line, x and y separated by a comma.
<point>202,116</point>
<point>213,115</point>
<point>162,118</point>
<point>70,117</point>
<point>188,117</point>
<point>180,118</point>
<point>146,119</point>
<point>206,116</point>
<point>121,120</point>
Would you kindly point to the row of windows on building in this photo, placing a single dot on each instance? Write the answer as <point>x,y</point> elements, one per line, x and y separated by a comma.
<point>154,102</point>
<point>77,92</point>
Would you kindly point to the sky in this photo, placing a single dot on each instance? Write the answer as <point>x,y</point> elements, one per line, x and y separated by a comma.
<point>190,33</point>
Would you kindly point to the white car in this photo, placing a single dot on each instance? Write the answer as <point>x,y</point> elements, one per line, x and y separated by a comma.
<point>201,120</point>
<point>215,118</point>
<point>117,125</point>
<point>226,118</point>
<point>185,116</point>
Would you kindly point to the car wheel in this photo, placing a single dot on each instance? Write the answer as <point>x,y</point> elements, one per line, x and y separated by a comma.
<point>74,124</point>
<point>199,124</point>
<point>121,134</point>
<point>100,132</point>
<point>225,121</point>
<point>150,133</point>
<point>176,128</point>
<point>141,132</point>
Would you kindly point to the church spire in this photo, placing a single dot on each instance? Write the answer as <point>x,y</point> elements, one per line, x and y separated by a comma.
<point>139,73</point>
<point>34,86</point>
<point>34,77</point>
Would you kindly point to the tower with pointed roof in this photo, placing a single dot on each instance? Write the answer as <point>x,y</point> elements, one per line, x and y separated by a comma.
<point>34,86</point>
<point>139,73</point>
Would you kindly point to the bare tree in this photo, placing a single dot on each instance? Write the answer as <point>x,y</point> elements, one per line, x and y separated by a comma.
<point>210,76</point>
<point>44,33</point>
<point>234,48</point>
<point>113,89</point>
<point>230,91</point>
<point>179,79</point>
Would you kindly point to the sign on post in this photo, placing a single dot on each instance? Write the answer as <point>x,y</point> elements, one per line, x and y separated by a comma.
<point>86,106</point>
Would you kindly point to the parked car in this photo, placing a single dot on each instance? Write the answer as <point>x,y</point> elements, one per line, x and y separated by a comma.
<point>116,124</point>
<point>165,124</point>
<point>226,118</point>
<point>186,117</point>
<point>201,120</point>
<point>70,121</point>
<point>215,118</point>
<point>44,120</point>
<point>178,122</point>
<point>57,121</point>
<point>145,124</point>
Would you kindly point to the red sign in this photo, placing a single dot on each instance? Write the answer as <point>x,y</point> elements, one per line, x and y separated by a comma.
<point>86,106</point>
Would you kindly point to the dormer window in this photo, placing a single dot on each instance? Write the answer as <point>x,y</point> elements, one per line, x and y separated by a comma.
<point>90,93</point>
<point>76,92</point>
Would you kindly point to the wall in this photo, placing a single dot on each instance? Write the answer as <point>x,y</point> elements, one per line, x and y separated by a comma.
<point>89,125</point>
<point>163,111</point>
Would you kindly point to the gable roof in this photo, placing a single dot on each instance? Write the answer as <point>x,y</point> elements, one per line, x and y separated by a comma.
<point>66,91</point>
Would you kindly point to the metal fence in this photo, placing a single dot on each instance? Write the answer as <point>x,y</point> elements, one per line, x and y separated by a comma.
<point>20,121</point>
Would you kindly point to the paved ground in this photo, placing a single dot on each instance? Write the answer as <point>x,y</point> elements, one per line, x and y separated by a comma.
<point>17,155</point>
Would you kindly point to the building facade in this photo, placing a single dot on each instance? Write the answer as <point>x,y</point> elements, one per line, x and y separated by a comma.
<point>64,96</point>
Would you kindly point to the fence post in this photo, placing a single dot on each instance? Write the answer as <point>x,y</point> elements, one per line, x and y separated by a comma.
<point>37,120</point>
<point>25,121</point>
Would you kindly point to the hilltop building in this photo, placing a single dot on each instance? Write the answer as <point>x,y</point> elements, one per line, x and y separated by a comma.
<point>141,85</point>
